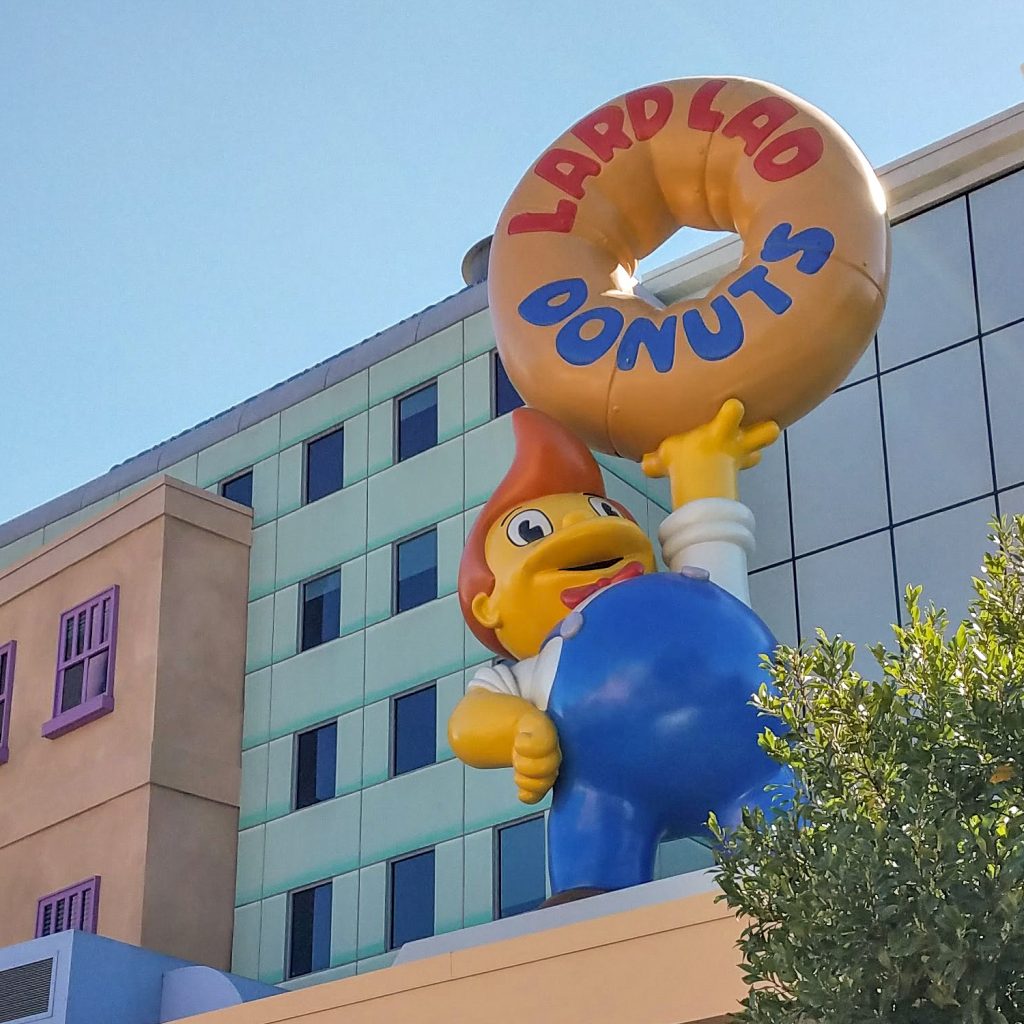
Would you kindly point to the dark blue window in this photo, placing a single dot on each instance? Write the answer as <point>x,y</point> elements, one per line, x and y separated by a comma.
<point>315,762</point>
<point>417,422</point>
<point>310,942</point>
<point>321,610</point>
<point>521,879</point>
<point>414,730</point>
<point>412,899</point>
<point>325,465</point>
<point>415,571</point>
<point>238,489</point>
<point>506,398</point>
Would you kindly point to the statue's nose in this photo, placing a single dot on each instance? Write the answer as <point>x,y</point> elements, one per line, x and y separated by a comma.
<point>572,518</point>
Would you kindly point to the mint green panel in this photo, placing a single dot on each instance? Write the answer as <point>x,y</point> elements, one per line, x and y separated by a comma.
<point>322,535</point>
<point>680,856</point>
<point>289,484</point>
<point>349,764</point>
<point>372,896</point>
<point>62,526</point>
<point>659,491</point>
<point>239,451</point>
<point>478,386</point>
<point>474,651</point>
<point>449,404</point>
<point>421,644</point>
<point>376,963</point>
<point>625,469</point>
<point>411,811</point>
<point>634,500</point>
<point>264,490</point>
<point>249,880</point>
<point>380,437</point>
<point>427,358</point>
<point>416,493</point>
<point>262,561</point>
<point>489,451</point>
<point>318,413</point>
<point>273,928</point>
<point>478,878</point>
<point>356,448</point>
<point>252,807</point>
<point>256,717</point>
<point>245,941</point>
<point>491,797</point>
<point>317,684</point>
<point>450,542</point>
<point>286,622</point>
<point>448,886</point>
<point>450,690</point>
<point>319,977</point>
<point>309,845</point>
<point>187,470</point>
<point>376,742</point>
<point>279,777</point>
<point>469,518</point>
<point>344,918</point>
<point>479,333</point>
<point>259,633</point>
<point>18,549</point>
<point>353,595</point>
<point>378,584</point>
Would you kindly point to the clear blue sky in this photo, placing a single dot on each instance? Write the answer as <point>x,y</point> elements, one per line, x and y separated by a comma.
<point>198,199</point>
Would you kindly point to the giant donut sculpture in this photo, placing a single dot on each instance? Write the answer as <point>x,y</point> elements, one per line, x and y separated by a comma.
<point>780,332</point>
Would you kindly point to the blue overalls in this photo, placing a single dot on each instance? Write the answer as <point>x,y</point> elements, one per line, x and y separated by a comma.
<point>651,701</point>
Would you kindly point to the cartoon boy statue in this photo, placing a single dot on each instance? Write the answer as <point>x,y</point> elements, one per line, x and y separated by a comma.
<point>630,687</point>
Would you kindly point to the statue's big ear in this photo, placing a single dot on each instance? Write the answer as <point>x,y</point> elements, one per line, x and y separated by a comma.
<point>485,611</point>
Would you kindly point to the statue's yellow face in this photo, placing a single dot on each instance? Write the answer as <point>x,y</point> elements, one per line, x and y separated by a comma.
<point>548,556</point>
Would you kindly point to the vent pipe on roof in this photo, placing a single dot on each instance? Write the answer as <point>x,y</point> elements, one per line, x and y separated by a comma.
<point>474,263</point>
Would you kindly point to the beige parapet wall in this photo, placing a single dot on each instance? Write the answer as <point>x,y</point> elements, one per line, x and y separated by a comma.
<point>147,796</point>
<point>667,963</point>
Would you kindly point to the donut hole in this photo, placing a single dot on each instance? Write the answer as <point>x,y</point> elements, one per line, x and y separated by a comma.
<point>684,242</point>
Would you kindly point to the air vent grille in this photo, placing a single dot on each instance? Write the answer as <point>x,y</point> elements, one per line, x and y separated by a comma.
<point>25,990</point>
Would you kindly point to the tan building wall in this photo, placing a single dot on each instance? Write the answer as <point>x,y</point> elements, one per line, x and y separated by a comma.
<point>669,963</point>
<point>146,796</point>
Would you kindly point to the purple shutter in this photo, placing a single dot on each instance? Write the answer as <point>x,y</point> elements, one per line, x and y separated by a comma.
<point>84,687</point>
<point>74,908</point>
<point>7,652</point>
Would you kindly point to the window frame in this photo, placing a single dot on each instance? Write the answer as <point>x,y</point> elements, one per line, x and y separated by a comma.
<point>393,730</point>
<point>389,896</point>
<point>496,831</point>
<point>295,762</point>
<point>231,479</point>
<point>396,418</point>
<point>495,360</point>
<point>337,428</point>
<point>90,708</point>
<point>395,545</point>
<point>299,649</point>
<point>290,920</point>
<point>79,888</point>
<point>11,650</point>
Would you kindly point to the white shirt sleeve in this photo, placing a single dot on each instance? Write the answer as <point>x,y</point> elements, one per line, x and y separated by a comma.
<point>531,678</point>
<point>715,534</point>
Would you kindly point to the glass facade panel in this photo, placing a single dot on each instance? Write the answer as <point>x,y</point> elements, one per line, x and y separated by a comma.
<point>325,465</point>
<point>316,765</point>
<point>412,899</point>
<point>506,398</point>
<point>415,571</point>
<point>310,933</point>
<point>997,223</point>
<point>414,730</point>
<point>238,489</point>
<point>321,610</point>
<point>417,422</point>
<point>521,871</point>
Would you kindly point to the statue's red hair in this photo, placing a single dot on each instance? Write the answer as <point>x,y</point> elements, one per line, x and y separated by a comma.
<point>549,460</point>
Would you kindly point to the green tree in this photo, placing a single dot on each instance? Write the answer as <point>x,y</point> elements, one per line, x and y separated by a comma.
<point>890,884</point>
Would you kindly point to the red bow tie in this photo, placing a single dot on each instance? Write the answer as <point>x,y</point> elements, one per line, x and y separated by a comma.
<point>573,596</point>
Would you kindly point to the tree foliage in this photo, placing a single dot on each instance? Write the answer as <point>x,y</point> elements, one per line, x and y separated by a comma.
<point>889,885</point>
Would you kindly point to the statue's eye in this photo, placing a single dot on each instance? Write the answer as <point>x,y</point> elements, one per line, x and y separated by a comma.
<point>528,526</point>
<point>603,507</point>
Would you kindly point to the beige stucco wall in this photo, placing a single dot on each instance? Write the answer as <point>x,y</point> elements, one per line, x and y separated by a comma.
<point>670,963</point>
<point>152,787</point>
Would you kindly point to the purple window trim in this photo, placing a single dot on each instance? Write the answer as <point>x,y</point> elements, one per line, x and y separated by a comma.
<point>71,914</point>
<point>98,704</point>
<point>6,688</point>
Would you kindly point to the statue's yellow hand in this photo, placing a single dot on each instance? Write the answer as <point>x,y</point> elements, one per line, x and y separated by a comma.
<point>535,756</point>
